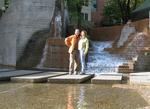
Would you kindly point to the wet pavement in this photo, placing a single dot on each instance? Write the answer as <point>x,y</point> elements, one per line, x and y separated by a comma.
<point>68,96</point>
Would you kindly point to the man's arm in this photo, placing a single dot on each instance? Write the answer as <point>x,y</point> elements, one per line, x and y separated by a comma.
<point>73,41</point>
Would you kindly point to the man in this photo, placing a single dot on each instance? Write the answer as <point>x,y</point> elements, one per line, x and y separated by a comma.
<point>72,42</point>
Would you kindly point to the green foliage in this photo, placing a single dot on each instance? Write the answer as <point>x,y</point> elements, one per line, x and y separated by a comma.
<point>119,10</point>
<point>74,7</point>
<point>7,2</point>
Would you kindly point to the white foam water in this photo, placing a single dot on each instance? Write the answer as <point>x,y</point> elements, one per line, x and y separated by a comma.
<point>100,61</point>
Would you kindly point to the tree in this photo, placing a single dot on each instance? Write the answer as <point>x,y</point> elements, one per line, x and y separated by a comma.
<point>75,7</point>
<point>120,9</point>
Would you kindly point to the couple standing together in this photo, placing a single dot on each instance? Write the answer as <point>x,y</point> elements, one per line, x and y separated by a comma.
<point>78,47</point>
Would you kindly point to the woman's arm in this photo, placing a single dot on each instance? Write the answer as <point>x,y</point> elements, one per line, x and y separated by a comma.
<point>86,47</point>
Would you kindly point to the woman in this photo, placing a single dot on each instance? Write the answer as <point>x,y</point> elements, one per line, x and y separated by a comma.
<point>83,46</point>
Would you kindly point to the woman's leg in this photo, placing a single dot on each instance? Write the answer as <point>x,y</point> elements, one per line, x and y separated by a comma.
<point>82,61</point>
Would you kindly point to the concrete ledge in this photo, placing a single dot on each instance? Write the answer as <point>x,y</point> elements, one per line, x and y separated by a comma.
<point>107,79</point>
<point>111,74</point>
<point>6,70</point>
<point>70,79</point>
<point>37,78</point>
<point>5,76</point>
<point>140,74</point>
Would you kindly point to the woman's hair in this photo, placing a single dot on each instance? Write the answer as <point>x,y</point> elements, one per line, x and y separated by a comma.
<point>84,32</point>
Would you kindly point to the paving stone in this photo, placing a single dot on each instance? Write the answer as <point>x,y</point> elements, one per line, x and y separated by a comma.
<point>9,74</point>
<point>140,74</point>
<point>70,79</point>
<point>142,78</point>
<point>36,78</point>
<point>106,79</point>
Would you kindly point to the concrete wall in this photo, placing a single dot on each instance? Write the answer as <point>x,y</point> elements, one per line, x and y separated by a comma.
<point>21,20</point>
<point>111,33</point>
<point>141,25</point>
<point>57,54</point>
<point>106,33</point>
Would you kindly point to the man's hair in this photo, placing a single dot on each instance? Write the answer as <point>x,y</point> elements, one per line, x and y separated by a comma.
<point>77,30</point>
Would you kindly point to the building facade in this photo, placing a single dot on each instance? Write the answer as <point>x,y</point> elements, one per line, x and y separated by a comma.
<point>92,10</point>
<point>97,16</point>
<point>87,8</point>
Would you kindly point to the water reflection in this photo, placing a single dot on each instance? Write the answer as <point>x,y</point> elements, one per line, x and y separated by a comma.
<point>71,99</point>
<point>81,101</point>
<point>68,96</point>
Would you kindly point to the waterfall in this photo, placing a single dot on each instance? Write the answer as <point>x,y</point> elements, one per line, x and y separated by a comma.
<point>44,55</point>
<point>100,61</point>
<point>125,33</point>
<point>58,25</point>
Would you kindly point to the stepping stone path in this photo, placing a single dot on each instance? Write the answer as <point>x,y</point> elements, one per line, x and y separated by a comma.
<point>37,78</point>
<point>70,79</point>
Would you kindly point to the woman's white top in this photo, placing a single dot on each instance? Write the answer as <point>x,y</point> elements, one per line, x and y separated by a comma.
<point>83,44</point>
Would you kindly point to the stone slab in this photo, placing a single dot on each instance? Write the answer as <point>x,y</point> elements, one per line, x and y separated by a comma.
<point>6,70</point>
<point>140,79</point>
<point>140,74</point>
<point>107,79</point>
<point>70,79</point>
<point>37,78</point>
<point>111,74</point>
<point>7,75</point>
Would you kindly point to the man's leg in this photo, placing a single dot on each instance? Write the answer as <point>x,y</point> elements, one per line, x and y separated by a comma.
<point>76,62</point>
<point>71,63</point>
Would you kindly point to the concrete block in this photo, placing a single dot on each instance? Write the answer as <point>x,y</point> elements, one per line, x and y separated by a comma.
<point>37,78</point>
<point>142,78</point>
<point>70,79</point>
<point>107,79</point>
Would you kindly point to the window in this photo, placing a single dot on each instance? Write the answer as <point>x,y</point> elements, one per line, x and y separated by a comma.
<point>86,2</point>
<point>84,16</point>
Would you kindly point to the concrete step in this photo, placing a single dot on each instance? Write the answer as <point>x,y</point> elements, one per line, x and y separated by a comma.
<point>141,78</point>
<point>37,78</point>
<point>107,79</point>
<point>6,70</point>
<point>140,74</point>
<point>68,79</point>
<point>125,70</point>
<point>6,75</point>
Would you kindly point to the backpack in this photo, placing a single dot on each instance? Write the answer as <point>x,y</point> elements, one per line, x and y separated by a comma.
<point>68,41</point>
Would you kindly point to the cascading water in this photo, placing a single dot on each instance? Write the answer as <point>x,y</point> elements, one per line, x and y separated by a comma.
<point>100,61</point>
<point>125,33</point>
<point>43,59</point>
<point>58,25</point>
